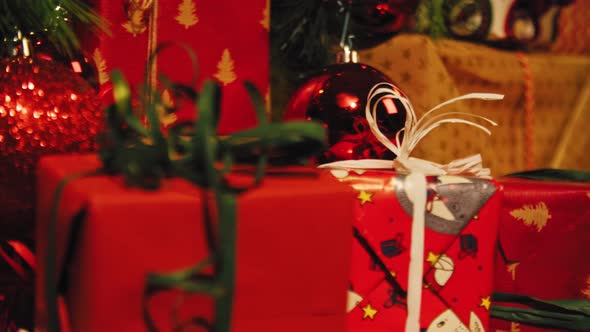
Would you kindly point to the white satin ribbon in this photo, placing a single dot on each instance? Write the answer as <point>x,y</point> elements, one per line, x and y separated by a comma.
<point>415,183</point>
<point>415,186</point>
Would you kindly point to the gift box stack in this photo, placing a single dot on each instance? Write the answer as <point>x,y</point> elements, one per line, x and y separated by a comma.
<point>106,290</point>
<point>315,250</point>
<point>106,247</point>
<point>96,235</point>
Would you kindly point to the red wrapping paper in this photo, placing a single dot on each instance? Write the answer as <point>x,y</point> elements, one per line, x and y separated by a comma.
<point>461,228</point>
<point>229,37</point>
<point>292,251</point>
<point>543,236</point>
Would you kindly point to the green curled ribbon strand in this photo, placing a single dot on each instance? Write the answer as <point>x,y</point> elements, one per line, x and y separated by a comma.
<point>144,155</point>
<point>563,314</point>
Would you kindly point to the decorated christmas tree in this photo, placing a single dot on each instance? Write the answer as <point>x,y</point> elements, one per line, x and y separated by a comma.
<point>51,20</point>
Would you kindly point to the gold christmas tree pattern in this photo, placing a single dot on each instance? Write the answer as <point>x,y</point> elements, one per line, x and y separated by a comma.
<point>586,291</point>
<point>225,68</point>
<point>138,16</point>
<point>187,14</point>
<point>166,118</point>
<point>101,67</point>
<point>514,327</point>
<point>267,101</point>
<point>511,268</point>
<point>533,215</point>
<point>265,22</point>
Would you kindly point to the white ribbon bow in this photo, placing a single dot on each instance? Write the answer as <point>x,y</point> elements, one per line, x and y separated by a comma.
<point>414,131</point>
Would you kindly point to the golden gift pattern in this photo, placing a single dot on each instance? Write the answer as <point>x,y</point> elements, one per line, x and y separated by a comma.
<point>139,26</point>
<point>225,67</point>
<point>586,292</point>
<point>511,268</point>
<point>166,117</point>
<point>101,67</point>
<point>514,327</point>
<point>369,312</point>
<point>187,14</point>
<point>533,215</point>
<point>265,22</point>
<point>138,13</point>
<point>267,101</point>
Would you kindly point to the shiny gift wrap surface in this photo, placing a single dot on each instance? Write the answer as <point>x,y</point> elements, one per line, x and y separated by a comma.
<point>292,264</point>
<point>461,227</point>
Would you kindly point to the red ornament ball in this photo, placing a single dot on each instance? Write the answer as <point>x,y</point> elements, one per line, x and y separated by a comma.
<point>383,16</point>
<point>376,21</point>
<point>336,97</point>
<point>45,108</point>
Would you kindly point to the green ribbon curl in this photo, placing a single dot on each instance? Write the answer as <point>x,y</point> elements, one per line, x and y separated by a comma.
<point>564,315</point>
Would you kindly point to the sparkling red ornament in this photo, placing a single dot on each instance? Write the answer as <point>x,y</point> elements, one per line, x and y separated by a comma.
<point>45,108</point>
<point>336,97</point>
<point>79,63</point>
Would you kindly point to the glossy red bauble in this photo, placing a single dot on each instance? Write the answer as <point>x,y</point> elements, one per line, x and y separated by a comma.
<point>376,21</point>
<point>383,16</point>
<point>336,97</point>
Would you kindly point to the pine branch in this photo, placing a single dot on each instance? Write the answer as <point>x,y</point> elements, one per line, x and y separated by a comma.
<point>300,29</point>
<point>47,19</point>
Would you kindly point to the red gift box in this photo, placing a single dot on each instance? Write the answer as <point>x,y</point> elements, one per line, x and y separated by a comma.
<point>229,37</point>
<point>543,239</point>
<point>292,249</point>
<point>460,236</point>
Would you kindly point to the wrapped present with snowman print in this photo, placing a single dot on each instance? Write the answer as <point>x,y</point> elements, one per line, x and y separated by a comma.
<point>424,233</point>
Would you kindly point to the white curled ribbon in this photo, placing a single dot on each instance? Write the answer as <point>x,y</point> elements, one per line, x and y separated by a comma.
<point>414,131</point>
<point>415,183</point>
